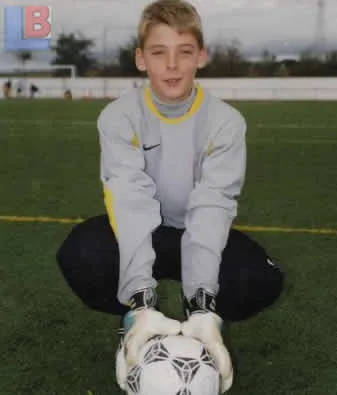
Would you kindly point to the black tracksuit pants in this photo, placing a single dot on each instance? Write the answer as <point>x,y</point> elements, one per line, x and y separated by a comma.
<point>89,260</point>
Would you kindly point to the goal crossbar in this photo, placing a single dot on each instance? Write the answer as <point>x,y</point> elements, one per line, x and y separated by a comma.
<point>28,69</point>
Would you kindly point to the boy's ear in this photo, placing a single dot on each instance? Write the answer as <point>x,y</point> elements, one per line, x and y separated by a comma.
<point>139,60</point>
<point>203,58</point>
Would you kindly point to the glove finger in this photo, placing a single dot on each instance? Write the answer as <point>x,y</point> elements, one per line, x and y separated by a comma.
<point>226,383</point>
<point>131,351</point>
<point>136,338</point>
<point>169,327</point>
<point>224,364</point>
<point>190,329</point>
<point>121,368</point>
<point>187,329</point>
<point>134,345</point>
<point>129,334</point>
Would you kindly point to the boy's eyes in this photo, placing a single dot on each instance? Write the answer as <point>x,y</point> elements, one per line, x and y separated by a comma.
<point>183,51</point>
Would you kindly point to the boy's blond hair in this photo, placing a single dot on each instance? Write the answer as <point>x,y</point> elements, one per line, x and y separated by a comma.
<point>178,14</point>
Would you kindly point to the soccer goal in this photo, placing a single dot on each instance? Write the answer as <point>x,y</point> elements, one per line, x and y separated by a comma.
<point>23,77</point>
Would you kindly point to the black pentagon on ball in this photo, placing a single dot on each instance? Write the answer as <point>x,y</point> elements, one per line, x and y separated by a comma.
<point>207,358</point>
<point>184,391</point>
<point>186,368</point>
<point>156,353</point>
<point>133,378</point>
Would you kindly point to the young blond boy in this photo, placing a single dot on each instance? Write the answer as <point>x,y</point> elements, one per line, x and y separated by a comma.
<point>173,160</point>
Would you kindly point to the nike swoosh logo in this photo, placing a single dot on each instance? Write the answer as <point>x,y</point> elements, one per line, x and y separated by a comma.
<point>148,148</point>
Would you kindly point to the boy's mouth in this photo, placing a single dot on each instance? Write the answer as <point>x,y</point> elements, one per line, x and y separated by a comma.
<point>172,82</point>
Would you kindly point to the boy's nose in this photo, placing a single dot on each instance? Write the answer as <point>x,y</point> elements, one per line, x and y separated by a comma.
<point>171,61</point>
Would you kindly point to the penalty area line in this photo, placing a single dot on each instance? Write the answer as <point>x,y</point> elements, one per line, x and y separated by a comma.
<point>243,228</point>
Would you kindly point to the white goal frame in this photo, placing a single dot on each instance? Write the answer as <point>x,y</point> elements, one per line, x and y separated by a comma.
<point>30,69</point>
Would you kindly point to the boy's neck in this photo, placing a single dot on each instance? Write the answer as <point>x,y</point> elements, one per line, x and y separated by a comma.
<point>173,110</point>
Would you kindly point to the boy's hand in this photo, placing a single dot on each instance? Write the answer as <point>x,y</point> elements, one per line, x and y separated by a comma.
<point>204,325</point>
<point>146,324</point>
<point>143,322</point>
<point>140,324</point>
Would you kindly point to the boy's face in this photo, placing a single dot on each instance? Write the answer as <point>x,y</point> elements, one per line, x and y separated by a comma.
<point>171,60</point>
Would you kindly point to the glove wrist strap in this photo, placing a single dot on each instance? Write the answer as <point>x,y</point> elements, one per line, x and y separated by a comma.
<point>202,301</point>
<point>143,299</point>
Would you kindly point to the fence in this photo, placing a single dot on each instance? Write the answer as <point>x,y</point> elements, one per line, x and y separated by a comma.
<point>227,88</point>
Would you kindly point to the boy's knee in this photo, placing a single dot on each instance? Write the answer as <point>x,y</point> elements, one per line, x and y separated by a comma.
<point>253,290</point>
<point>85,240</point>
<point>88,259</point>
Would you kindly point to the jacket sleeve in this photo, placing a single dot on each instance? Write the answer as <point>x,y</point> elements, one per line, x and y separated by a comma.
<point>213,206</point>
<point>129,199</point>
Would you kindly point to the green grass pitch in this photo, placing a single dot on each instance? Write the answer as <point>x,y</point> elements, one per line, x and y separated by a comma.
<point>49,167</point>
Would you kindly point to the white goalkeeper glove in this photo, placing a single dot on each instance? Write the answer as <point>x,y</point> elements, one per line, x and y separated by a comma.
<point>140,324</point>
<point>204,325</point>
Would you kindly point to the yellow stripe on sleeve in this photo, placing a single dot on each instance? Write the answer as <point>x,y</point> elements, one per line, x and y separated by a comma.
<point>135,141</point>
<point>210,148</point>
<point>109,204</point>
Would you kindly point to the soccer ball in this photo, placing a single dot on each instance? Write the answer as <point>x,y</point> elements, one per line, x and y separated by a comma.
<point>174,365</point>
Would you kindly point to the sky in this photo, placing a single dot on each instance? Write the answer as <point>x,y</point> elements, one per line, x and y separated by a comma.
<point>282,26</point>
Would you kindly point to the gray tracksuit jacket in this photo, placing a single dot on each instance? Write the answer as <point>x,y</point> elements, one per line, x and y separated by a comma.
<point>185,172</point>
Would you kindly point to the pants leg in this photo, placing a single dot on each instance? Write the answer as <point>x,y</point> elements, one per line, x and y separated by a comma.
<point>248,279</point>
<point>89,261</point>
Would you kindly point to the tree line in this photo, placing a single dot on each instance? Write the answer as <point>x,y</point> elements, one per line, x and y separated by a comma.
<point>225,60</point>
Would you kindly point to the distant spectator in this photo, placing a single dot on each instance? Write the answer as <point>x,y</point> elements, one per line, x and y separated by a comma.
<point>19,88</point>
<point>33,89</point>
<point>68,95</point>
<point>7,89</point>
